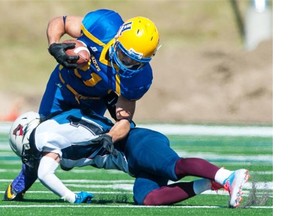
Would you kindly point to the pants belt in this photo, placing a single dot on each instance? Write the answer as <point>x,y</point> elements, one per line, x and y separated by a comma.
<point>78,96</point>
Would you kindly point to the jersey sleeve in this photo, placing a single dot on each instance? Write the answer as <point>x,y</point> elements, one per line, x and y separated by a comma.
<point>101,25</point>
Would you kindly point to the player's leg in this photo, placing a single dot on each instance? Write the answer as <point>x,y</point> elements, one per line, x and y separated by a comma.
<point>232,181</point>
<point>153,190</point>
<point>177,192</point>
<point>149,151</point>
<point>144,184</point>
<point>27,176</point>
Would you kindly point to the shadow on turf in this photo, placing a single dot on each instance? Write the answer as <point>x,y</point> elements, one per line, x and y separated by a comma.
<point>119,199</point>
<point>37,201</point>
<point>43,200</point>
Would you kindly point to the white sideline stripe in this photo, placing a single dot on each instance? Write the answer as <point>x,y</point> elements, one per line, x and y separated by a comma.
<point>128,183</point>
<point>207,130</point>
<point>123,206</point>
<point>175,129</point>
<point>208,156</point>
<point>129,186</point>
<point>108,183</point>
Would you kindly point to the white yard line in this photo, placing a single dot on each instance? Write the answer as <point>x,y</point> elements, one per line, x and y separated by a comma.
<point>128,184</point>
<point>207,130</point>
<point>122,206</point>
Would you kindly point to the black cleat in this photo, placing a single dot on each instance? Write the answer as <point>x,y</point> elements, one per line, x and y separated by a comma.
<point>11,195</point>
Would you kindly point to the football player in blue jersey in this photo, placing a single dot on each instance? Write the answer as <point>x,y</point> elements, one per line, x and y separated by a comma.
<point>117,76</point>
<point>78,138</point>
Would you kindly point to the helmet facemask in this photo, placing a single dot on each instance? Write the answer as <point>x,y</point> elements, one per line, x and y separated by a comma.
<point>128,62</point>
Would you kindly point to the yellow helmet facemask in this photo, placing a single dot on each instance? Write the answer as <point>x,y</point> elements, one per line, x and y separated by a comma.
<point>135,44</point>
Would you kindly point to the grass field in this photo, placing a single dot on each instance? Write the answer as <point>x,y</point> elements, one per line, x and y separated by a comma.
<point>113,189</point>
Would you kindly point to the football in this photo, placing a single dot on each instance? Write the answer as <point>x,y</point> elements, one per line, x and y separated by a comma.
<point>81,50</point>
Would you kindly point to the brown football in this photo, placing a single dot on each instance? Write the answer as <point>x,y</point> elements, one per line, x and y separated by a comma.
<point>81,50</point>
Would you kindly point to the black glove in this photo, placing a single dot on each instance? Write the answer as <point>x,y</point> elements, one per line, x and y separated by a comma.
<point>106,142</point>
<point>58,51</point>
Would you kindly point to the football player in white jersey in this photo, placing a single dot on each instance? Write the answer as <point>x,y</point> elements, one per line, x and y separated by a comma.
<point>79,138</point>
<point>69,140</point>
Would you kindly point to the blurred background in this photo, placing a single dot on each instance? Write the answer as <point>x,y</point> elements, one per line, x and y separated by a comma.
<point>214,66</point>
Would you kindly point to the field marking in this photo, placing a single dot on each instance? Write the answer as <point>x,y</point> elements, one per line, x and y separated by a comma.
<point>128,184</point>
<point>124,206</point>
<point>190,129</point>
<point>208,156</point>
<point>117,171</point>
<point>106,183</point>
<point>245,193</point>
<point>177,129</point>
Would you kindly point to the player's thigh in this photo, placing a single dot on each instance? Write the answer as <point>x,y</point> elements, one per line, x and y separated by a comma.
<point>149,151</point>
<point>144,184</point>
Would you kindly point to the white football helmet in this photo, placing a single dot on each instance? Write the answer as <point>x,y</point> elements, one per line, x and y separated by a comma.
<point>21,130</point>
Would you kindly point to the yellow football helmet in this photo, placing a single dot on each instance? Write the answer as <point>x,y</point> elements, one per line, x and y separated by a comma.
<point>135,44</point>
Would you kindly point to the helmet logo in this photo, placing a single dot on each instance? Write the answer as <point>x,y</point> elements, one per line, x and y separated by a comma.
<point>124,27</point>
<point>18,131</point>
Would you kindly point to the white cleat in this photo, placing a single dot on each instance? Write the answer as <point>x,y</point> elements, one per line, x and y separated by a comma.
<point>234,184</point>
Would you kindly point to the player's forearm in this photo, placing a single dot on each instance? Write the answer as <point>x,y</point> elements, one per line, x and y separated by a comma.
<point>124,113</point>
<point>46,174</point>
<point>119,130</point>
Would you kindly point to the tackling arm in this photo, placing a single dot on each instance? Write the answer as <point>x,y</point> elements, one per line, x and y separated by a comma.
<point>46,174</point>
<point>124,113</point>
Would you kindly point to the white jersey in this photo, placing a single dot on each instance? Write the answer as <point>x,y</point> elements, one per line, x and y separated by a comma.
<point>71,135</point>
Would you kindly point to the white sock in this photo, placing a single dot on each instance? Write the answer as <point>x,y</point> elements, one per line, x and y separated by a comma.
<point>221,175</point>
<point>201,185</point>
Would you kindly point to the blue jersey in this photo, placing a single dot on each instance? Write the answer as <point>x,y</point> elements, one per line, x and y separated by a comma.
<point>86,87</point>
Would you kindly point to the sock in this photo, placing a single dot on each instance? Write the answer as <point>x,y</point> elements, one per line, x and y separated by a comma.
<point>195,167</point>
<point>221,175</point>
<point>201,185</point>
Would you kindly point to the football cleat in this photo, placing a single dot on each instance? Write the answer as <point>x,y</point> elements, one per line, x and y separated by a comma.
<point>233,184</point>
<point>12,195</point>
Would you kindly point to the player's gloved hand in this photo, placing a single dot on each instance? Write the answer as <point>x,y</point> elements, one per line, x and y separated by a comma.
<point>83,197</point>
<point>57,50</point>
<point>106,142</point>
